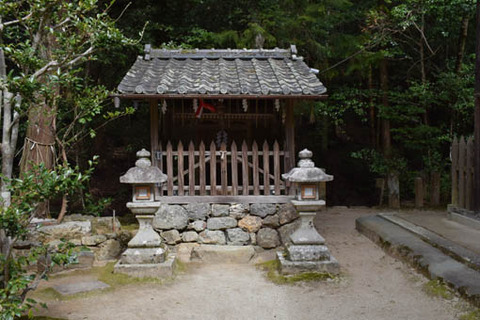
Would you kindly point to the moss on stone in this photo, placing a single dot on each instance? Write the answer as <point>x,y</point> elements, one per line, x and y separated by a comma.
<point>41,318</point>
<point>47,294</point>
<point>473,315</point>
<point>272,268</point>
<point>437,288</point>
<point>104,274</point>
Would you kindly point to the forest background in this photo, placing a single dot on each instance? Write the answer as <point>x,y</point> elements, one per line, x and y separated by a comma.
<point>399,74</point>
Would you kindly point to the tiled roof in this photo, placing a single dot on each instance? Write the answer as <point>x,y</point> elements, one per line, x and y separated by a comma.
<point>276,72</point>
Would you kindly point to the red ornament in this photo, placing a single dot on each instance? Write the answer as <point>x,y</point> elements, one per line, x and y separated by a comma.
<point>202,104</point>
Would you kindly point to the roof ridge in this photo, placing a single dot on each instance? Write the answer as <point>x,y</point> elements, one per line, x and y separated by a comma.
<point>252,73</point>
<point>220,53</point>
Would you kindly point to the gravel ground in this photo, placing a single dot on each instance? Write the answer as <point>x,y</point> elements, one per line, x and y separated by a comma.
<point>372,286</point>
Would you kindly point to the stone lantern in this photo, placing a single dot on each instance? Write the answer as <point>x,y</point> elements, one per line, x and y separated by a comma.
<point>145,255</point>
<point>308,251</point>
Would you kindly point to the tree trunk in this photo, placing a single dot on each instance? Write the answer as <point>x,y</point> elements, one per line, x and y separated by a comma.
<point>386,137</point>
<point>422,64</point>
<point>462,39</point>
<point>9,143</point>
<point>9,133</point>
<point>39,144</point>
<point>392,176</point>
<point>373,139</point>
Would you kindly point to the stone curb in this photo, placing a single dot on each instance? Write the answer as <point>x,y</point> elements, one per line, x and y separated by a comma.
<point>464,219</point>
<point>448,247</point>
<point>431,261</point>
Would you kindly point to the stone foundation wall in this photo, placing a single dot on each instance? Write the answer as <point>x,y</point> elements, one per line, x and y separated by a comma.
<point>86,232</point>
<point>265,225</point>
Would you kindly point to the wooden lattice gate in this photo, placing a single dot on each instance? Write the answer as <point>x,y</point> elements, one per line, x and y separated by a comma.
<point>462,154</point>
<point>221,171</point>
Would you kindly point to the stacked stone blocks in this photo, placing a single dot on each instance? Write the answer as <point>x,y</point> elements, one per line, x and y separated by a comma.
<point>264,224</point>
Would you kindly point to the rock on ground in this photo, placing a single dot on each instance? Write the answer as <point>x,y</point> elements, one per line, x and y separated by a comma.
<point>223,254</point>
<point>237,237</point>
<point>212,237</point>
<point>197,211</point>
<point>198,225</point>
<point>287,213</point>
<point>171,236</point>
<point>67,230</point>
<point>238,210</point>
<point>184,251</point>
<point>268,238</point>
<point>220,210</point>
<point>103,225</point>
<point>286,230</point>
<point>109,250</point>
<point>250,223</point>
<point>221,223</point>
<point>189,236</point>
<point>263,209</point>
<point>272,221</point>
<point>170,217</point>
<point>93,240</point>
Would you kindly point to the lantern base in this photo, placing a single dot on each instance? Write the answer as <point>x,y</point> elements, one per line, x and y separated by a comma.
<point>308,253</point>
<point>161,270</point>
<point>287,267</point>
<point>146,237</point>
<point>143,256</point>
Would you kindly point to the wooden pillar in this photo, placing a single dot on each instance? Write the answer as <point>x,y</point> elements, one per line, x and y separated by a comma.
<point>290,134</point>
<point>418,192</point>
<point>154,118</point>
<point>289,140</point>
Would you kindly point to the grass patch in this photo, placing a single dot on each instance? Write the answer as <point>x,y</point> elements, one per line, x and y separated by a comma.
<point>40,318</point>
<point>47,294</point>
<point>104,274</point>
<point>436,288</point>
<point>180,267</point>
<point>474,315</point>
<point>272,268</point>
<point>128,222</point>
<point>130,227</point>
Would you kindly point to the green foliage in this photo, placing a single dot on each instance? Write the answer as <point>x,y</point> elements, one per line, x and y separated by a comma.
<point>96,206</point>
<point>27,191</point>
<point>34,187</point>
<point>380,165</point>
<point>47,45</point>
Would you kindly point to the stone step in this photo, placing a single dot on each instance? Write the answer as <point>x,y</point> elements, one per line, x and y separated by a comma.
<point>432,261</point>
<point>447,246</point>
<point>222,254</point>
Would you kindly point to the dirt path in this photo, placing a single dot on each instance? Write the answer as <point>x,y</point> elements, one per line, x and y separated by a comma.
<point>373,286</point>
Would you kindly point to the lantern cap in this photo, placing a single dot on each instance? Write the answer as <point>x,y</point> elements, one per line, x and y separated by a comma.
<point>143,172</point>
<point>306,170</point>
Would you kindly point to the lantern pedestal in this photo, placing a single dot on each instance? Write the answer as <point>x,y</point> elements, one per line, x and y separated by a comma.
<point>145,256</point>
<point>308,253</point>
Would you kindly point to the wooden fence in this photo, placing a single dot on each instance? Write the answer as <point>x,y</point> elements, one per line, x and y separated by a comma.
<point>221,171</point>
<point>462,154</point>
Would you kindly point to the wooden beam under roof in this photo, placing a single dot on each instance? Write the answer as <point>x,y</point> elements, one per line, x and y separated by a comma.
<point>141,96</point>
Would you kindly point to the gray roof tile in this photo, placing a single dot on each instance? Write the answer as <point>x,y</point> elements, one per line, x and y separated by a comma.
<point>276,72</point>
